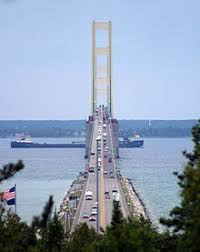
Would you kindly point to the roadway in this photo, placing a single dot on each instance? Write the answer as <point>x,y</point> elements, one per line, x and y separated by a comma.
<point>108,180</point>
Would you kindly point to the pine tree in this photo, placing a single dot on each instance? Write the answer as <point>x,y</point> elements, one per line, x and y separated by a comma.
<point>40,224</point>
<point>83,239</point>
<point>185,219</point>
<point>117,216</point>
<point>55,234</point>
<point>10,169</point>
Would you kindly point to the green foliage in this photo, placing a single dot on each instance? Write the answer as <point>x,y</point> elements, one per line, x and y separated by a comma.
<point>130,234</point>
<point>15,235</point>
<point>10,169</point>
<point>185,219</point>
<point>83,239</point>
<point>55,234</point>
<point>49,230</point>
<point>117,215</point>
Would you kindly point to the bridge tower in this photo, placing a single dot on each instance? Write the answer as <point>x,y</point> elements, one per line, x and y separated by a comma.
<point>101,66</point>
<point>101,81</point>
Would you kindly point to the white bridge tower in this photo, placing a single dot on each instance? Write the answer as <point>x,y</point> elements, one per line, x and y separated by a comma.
<point>101,66</point>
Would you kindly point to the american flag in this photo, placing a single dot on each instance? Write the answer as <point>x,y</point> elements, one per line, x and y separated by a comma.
<point>9,196</point>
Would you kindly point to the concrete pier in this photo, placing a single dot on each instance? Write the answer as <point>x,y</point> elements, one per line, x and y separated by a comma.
<point>135,204</point>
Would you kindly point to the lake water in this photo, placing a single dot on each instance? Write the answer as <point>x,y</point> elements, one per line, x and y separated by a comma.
<point>51,171</point>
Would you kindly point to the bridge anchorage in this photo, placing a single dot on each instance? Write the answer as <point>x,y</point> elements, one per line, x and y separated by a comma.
<point>90,197</point>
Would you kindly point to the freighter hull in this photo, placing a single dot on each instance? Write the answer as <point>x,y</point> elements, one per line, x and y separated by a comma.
<point>122,144</point>
<point>131,144</point>
<point>15,144</point>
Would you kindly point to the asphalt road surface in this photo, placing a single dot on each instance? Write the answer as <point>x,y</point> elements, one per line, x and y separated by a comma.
<point>108,181</point>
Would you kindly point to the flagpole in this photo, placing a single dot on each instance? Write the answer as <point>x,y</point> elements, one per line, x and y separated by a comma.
<point>15,199</point>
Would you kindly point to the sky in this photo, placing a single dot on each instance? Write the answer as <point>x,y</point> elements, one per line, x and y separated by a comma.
<point>45,58</point>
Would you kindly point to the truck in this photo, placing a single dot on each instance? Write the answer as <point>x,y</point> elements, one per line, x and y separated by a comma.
<point>115,196</point>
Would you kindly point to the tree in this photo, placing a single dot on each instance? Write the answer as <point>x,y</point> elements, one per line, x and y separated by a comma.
<point>117,216</point>
<point>10,169</point>
<point>83,239</point>
<point>15,235</point>
<point>55,234</point>
<point>132,234</point>
<point>40,224</point>
<point>185,219</point>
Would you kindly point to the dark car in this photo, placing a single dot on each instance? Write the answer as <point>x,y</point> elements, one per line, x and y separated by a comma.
<point>107,195</point>
<point>85,216</point>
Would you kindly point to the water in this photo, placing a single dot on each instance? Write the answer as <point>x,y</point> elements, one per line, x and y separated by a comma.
<point>51,171</point>
<point>47,172</point>
<point>151,170</point>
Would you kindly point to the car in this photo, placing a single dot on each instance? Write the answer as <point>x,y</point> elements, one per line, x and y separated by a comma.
<point>94,211</point>
<point>105,172</point>
<point>92,218</point>
<point>95,205</point>
<point>116,196</point>
<point>112,175</point>
<point>114,190</point>
<point>110,160</point>
<point>92,153</point>
<point>91,169</point>
<point>88,195</point>
<point>85,216</point>
<point>107,195</point>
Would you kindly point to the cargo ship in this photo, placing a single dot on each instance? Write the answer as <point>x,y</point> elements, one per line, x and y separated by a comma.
<point>133,142</point>
<point>26,142</point>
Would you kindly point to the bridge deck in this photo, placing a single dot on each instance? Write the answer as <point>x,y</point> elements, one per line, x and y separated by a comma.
<point>108,180</point>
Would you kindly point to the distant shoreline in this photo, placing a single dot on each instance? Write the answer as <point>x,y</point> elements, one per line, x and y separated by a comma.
<point>76,128</point>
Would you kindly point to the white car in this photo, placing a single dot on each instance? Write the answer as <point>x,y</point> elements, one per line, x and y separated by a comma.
<point>88,195</point>
<point>94,211</point>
